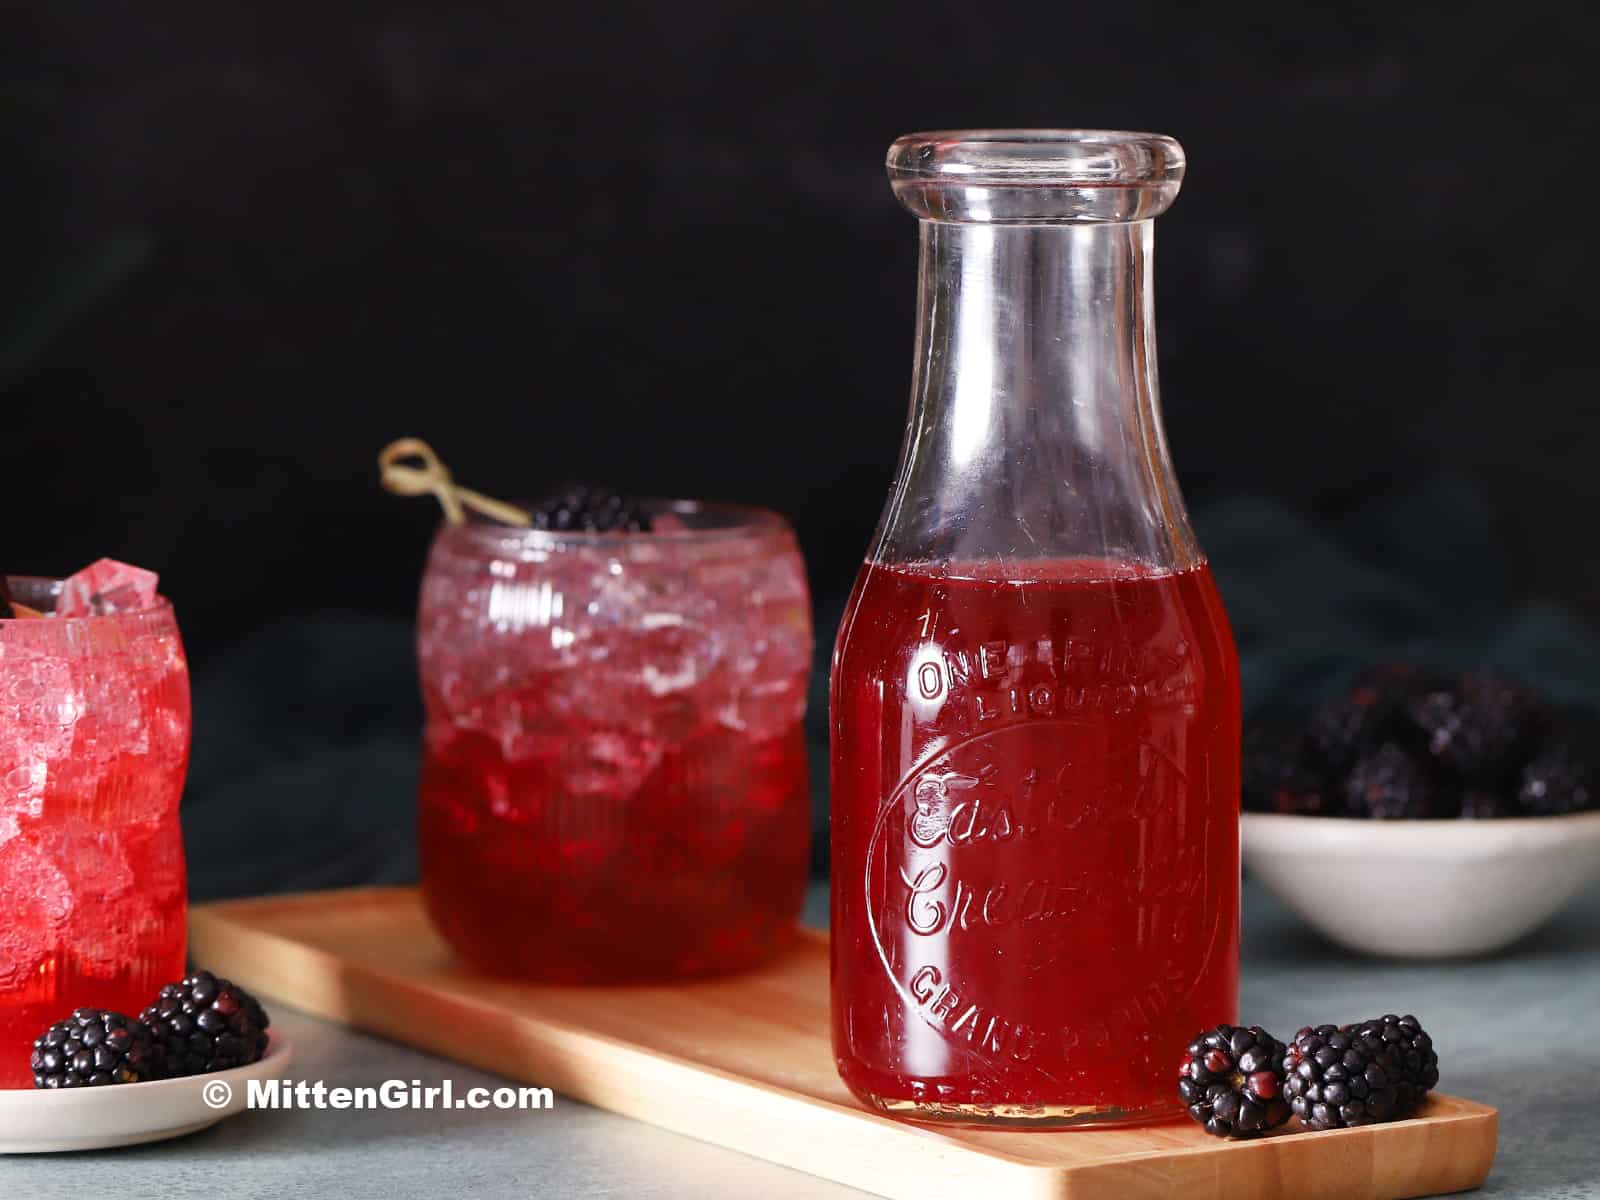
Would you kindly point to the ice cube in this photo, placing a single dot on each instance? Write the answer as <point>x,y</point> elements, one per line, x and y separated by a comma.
<point>36,899</point>
<point>40,705</point>
<point>608,764</point>
<point>91,858</point>
<point>94,863</point>
<point>105,588</point>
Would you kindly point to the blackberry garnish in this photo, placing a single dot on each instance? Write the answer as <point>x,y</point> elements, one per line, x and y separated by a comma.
<point>592,510</point>
<point>1232,1081</point>
<point>1408,1043</point>
<point>206,1024</point>
<point>1391,784</point>
<point>1280,776</point>
<point>1335,1079</point>
<point>1564,774</point>
<point>1476,727</point>
<point>93,1048</point>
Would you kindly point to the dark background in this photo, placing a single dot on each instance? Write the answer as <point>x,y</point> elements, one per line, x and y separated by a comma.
<point>652,244</point>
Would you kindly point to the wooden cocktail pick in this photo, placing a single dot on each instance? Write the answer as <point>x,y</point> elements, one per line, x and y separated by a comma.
<point>425,475</point>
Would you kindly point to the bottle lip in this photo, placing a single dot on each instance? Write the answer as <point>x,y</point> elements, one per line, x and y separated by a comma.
<point>1036,176</point>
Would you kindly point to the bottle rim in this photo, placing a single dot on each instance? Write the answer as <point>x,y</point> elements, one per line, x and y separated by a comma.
<point>1082,157</point>
<point>1036,176</point>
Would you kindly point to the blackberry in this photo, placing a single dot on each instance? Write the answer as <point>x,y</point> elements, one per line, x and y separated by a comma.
<point>206,1024</point>
<point>93,1048</point>
<point>1345,727</point>
<point>1477,726</point>
<point>1336,1079</point>
<point>1391,784</point>
<point>1487,806</point>
<point>1232,1081</point>
<point>1563,776</point>
<point>1412,1049</point>
<point>1280,776</point>
<point>592,510</point>
<point>1370,713</point>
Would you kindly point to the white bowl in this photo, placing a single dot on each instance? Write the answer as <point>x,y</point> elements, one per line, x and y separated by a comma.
<point>94,1118</point>
<point>1424,889</point>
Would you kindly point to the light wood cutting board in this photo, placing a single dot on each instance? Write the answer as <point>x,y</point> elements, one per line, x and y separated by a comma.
<point>745,1062</point>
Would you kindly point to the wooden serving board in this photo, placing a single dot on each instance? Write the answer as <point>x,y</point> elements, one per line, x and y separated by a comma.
<point>745,1062</point>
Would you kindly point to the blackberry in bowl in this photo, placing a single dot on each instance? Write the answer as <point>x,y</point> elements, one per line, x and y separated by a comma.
<point>1422,816</point>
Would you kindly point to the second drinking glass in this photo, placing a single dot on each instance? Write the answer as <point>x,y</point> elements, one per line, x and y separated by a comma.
<point>614,776</point>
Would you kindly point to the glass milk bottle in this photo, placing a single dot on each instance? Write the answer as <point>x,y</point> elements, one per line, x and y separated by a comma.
<point>1035,693</point>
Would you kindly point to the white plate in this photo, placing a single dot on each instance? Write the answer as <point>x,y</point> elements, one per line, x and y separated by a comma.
<point>95,1118</point>
<point>1424,889</point>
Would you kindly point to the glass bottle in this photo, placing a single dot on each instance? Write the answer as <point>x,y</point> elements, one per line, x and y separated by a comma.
<point>1035,692</point>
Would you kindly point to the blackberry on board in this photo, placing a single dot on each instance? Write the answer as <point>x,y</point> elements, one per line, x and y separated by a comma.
<point>591,510</point>
<point>92,1048</point>
<point>1563,775</point>
<point>1412,1048</point>
<point>205,1024</point>
<point>1232,1081</point>
<point>1392,784</point>
<point>1335,1079</point>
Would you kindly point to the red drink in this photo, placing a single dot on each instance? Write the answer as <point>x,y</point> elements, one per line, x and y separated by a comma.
<point>695,869</point>
<point>1035,837</point>
<point>614,782</point>
<point>94,743</point>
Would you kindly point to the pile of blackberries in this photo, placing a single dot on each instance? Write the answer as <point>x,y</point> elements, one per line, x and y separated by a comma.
<point>1242,1083</point>
<point>197,1025</point>
<point>589,509</point>
<point>1406,743</point>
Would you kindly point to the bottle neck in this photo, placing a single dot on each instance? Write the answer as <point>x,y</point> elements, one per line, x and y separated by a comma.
<point>1035,429</point>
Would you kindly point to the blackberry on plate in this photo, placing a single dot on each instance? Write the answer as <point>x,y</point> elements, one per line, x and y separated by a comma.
<point>1477,726</point>
<point>1279,775</point>
<point>591,510</point>
<point>206,1024</point>
<point>1392,784</point>
<point>92,1048</point>
<point>1412,1049</point>
<point>1563,776</point>
<point>1335,1079</point>
<point>1232,1081</point>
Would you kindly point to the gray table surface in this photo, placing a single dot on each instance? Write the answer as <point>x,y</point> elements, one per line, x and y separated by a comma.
<point>1515,1031</point>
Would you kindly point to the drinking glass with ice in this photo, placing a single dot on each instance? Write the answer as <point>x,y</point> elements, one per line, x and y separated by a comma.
<point>614,782</point>
<point>94,745</point>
